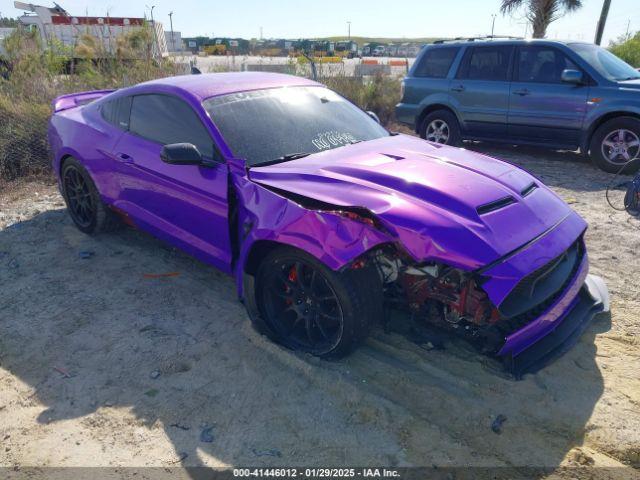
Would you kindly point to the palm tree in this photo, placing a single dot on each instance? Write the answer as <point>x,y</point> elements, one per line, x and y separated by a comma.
<point>541,12</point>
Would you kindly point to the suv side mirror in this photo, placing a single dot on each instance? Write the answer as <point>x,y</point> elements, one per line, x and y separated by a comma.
<point>572,76</point>
<point>374,116</point>
<point>181,154</point>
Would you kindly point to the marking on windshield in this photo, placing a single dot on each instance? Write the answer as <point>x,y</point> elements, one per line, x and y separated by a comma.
<point>327,140</point>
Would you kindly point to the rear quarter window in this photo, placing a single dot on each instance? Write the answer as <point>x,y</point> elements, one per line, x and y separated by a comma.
<point>117,112</point>
<point>436,62</point>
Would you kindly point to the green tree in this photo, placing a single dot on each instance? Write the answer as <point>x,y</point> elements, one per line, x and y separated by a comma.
<point>540,13</point>
<point>628,49</point>
<point>8,22</point>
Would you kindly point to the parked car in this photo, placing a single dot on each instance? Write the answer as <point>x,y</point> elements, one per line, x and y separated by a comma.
<point>323,217</point>
<point>565,95</point>
<point>379,51</point>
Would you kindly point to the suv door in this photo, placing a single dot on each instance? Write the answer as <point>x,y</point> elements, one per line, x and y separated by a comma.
<point>183,204</point>
<point>480,90</point>
<point>543,109</point>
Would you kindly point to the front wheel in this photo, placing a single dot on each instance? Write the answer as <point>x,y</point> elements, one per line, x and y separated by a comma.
<point>616,143</point>
<point>303,305</point>
<point>441,126</point>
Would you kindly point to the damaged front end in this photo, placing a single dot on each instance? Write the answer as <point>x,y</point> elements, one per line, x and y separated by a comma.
<point>539,319</point>
<point>494,257</point>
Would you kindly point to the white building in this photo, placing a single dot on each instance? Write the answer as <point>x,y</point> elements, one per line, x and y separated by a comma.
<point>56,23</point>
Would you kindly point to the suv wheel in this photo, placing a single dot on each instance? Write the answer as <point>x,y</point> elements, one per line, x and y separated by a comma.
<point>441,126</point>
<point>615,143</point>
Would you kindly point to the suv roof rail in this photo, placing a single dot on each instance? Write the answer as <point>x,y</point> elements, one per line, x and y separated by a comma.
<point>474,39</point>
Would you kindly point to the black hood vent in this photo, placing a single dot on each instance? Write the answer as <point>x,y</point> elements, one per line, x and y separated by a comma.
<point>495,205</point>
<point>529,189</point>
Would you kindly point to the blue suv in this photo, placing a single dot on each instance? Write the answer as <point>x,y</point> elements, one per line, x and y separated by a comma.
<point>563,95</point>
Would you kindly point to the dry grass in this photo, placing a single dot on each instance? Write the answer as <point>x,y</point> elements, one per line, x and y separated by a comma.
<point>38,75</point>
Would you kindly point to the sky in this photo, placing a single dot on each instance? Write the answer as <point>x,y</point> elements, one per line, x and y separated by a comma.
<point>372,18</point>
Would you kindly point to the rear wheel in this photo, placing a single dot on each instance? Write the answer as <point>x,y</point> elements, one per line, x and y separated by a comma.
<point>303,305</point>
<point>441,126</point>
<point>84,204</point>
<point>615,143</point>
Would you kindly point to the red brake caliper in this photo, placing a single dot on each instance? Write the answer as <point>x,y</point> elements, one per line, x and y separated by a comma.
<point>293,276</point>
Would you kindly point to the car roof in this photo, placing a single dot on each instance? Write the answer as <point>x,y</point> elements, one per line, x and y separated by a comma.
<point>505,41</point>
<point>212,84</point>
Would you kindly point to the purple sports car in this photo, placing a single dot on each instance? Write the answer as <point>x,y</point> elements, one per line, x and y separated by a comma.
<point>326,220</point>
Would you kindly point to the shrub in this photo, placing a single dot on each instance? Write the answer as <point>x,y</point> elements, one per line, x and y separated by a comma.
<point>379,94</point>
<point>38,75</point>
<point>628,49</point>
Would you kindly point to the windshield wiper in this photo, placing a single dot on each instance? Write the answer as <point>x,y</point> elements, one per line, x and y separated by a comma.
<point>284,158</point>
<point>628,78</point>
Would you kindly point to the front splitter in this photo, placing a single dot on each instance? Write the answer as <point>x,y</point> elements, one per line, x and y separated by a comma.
<point>592,300</point>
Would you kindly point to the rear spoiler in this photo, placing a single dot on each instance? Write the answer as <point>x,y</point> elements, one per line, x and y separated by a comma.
<point>72,100</point>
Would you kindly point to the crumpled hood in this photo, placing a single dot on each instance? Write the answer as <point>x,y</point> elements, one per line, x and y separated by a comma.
<point>441,202</point>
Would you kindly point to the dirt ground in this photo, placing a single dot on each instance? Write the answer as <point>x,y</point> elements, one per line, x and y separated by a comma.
<point>100,365</point>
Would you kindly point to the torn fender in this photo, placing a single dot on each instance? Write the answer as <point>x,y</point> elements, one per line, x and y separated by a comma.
<point>265,215</point>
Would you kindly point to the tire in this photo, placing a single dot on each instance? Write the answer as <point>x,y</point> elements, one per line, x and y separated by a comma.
<point>358,301</point>
<point>93,216</point>
<point>606,138</point>
<point>452,128</point>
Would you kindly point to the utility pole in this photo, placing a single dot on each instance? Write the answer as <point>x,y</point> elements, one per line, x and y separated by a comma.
<point>349,29</point>
<point>153,25</point>
<point>626,35</point>
<point>173,43</point>
<point>261,37</point>
<point>493,23</point>
<point>603,19</point>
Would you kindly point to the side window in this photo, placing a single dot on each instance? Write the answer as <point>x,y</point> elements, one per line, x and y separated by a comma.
<point>542,64</point>
<point>436,62</point>
<point>117,111</point>
<point>486,63</point>
<point>166,119</point>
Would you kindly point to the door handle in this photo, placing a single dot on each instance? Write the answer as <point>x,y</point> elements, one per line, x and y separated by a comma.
<point>522,92</point>
<point>124,157</point>
<point>459,88</point>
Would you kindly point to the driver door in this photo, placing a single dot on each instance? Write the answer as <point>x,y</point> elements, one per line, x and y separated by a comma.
<point>543,109</point>
<point>185,205</point>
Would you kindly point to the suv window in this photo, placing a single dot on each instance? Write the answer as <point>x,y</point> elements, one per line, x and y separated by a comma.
<point>166,119</point>
<point>436,62</point>
<point>117,111</point>
<point>542,64</point>
<point>486,63</point>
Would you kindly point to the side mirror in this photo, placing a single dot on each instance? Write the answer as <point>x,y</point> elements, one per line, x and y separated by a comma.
<point>181,154</point>
<point>572,76</point>
<point>374,116</point>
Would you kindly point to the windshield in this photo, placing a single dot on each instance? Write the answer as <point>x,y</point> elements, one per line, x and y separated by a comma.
<point>605,62</point>
<point>283,123</point>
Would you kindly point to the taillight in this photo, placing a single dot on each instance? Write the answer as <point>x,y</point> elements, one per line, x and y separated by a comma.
<point>402,90</point>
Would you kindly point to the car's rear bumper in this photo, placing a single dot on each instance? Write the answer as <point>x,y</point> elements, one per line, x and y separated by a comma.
<point>592,299</point>
<point>406,113</point>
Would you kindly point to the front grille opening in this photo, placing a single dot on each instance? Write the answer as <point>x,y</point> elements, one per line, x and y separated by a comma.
<point>496,205</point>
<point>529,189</point>
<point>540,289</point>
